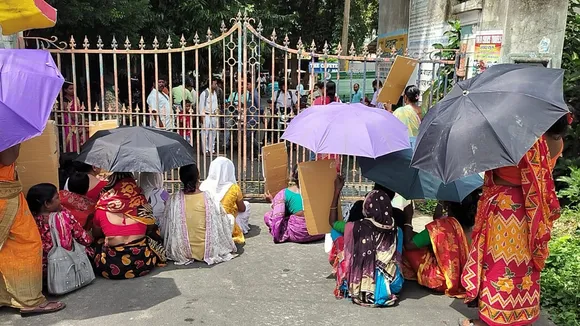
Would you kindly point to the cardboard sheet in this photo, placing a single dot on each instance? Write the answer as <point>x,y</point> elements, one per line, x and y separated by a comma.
<point>38,159</point>
<point>102,125</point>
<point>397,79</point>
<point>275,167</point>
<point>317,188</point>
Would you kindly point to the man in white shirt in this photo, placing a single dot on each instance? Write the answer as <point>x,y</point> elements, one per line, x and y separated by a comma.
<point>285,103</point>
<point>159,106</point>
<point>208,109</point>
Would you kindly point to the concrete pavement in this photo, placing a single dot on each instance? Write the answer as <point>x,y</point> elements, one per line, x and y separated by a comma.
<point>268,284</point>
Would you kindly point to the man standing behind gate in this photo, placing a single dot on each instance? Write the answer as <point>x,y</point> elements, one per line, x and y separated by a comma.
<point>208,109</point>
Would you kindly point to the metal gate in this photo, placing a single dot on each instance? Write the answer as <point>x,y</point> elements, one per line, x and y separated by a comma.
<point>114,82</point>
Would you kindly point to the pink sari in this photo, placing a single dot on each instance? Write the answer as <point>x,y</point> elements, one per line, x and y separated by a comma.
<point>74,133</point>
<point>287,228</point>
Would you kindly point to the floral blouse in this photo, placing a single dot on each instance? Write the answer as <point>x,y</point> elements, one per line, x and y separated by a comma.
<point>68,230</point>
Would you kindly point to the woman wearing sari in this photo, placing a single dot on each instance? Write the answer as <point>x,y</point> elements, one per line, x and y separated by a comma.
<point>129,244</point>
<point>511,234</point>
<point>152,186</point>
<point>221,184</point>
<point>96,182</point>
<point>74,136</point>
<point>195,226</point>
<point>372,248</point>
<point>286,219</point>
<point>435,257</point>
<point>20,246</point>
<point>336,257</point>
<point>411,113</point>
<point>76,201</point>
<point>44,202</point>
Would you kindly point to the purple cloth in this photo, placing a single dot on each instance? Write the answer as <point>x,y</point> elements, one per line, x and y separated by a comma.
<point>29,84</point>
<point>348,129</point>
<point>287,228</point>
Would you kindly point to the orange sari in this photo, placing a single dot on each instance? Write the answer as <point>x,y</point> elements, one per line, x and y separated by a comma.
<point>439,267</point>
<point>510,242</point>
<point>20,247</point>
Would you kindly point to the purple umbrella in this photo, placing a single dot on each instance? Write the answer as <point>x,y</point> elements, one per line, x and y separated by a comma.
<point>348,129</point>
<point>29,85</point>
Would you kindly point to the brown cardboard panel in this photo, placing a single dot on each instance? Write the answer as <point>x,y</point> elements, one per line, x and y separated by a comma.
<point>397,79</point>
<point>38,159</point>
<point>275,167</point>
<point>102,125</point>
<point>317,188</point>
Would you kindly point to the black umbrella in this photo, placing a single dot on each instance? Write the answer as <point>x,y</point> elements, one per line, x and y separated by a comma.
<point>489,121</point>
<point>136,149</point>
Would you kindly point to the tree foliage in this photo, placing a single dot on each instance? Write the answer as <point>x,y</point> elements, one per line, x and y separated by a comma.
<point>318,20</point>
<point>571,64</point>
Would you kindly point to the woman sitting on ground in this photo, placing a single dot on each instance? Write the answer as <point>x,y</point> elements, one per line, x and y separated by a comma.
<point>286,219</point>
<point>372,249</point>
<point>96,182</point>
<point>152,186</point>
<point>76,201</point>
<point>129,244</point>
<point>221,184</point>
<point>435,257</point>
<point>195,226</point>
<point>349,243</point>
<point>44,203</point>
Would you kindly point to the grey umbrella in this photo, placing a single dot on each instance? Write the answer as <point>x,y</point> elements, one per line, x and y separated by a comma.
<point>136,149</point>
<point>489,121</point>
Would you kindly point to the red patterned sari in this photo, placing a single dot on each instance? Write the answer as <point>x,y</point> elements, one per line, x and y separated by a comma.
<point>510,242</point>
<point>439,267</point>
<point>81,207</point>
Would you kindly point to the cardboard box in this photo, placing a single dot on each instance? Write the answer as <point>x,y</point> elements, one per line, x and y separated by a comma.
<point>397,79</point>
<point>275,167</point>
<point>38,159</point>
<point>102,125</point>
<point>317,188</point>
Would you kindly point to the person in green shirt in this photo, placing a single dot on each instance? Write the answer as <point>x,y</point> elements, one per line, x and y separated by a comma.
<point>184,92</point>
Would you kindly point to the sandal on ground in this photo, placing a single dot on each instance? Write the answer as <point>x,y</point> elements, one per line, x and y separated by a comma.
<point>43,308</point>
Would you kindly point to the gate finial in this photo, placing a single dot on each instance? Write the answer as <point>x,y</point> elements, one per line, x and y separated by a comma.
<point>339,49</point>
<point>273,36</point>
<point>286,41</point>
<point>114,43</point>
<point>325,49</point>
<point>260,28</point>
<point>86,43</point>
<point>209,34</point>
<point>155,43</point>
<point>182,41</point>
<point>196,39</point>
<point>127,43</point>
<point>72,42</point>
<point>99,43</point>
<point>141,43</point>
<point>169,43</point>
<point>223,28</point>
<point>352,50</point>
<point>312,47</point>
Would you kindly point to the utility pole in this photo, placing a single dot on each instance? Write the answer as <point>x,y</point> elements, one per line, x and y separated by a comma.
<point>344,40</point>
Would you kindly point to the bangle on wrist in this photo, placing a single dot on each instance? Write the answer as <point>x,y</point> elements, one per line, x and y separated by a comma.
<point>409,225</point>
<point>333,208</point>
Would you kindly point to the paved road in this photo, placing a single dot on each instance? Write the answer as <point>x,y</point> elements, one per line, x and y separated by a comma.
<point>268,284</point>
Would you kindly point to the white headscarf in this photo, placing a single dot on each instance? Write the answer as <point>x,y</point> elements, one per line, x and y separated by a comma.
<point>149,181</point>
<point>221,176</point>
